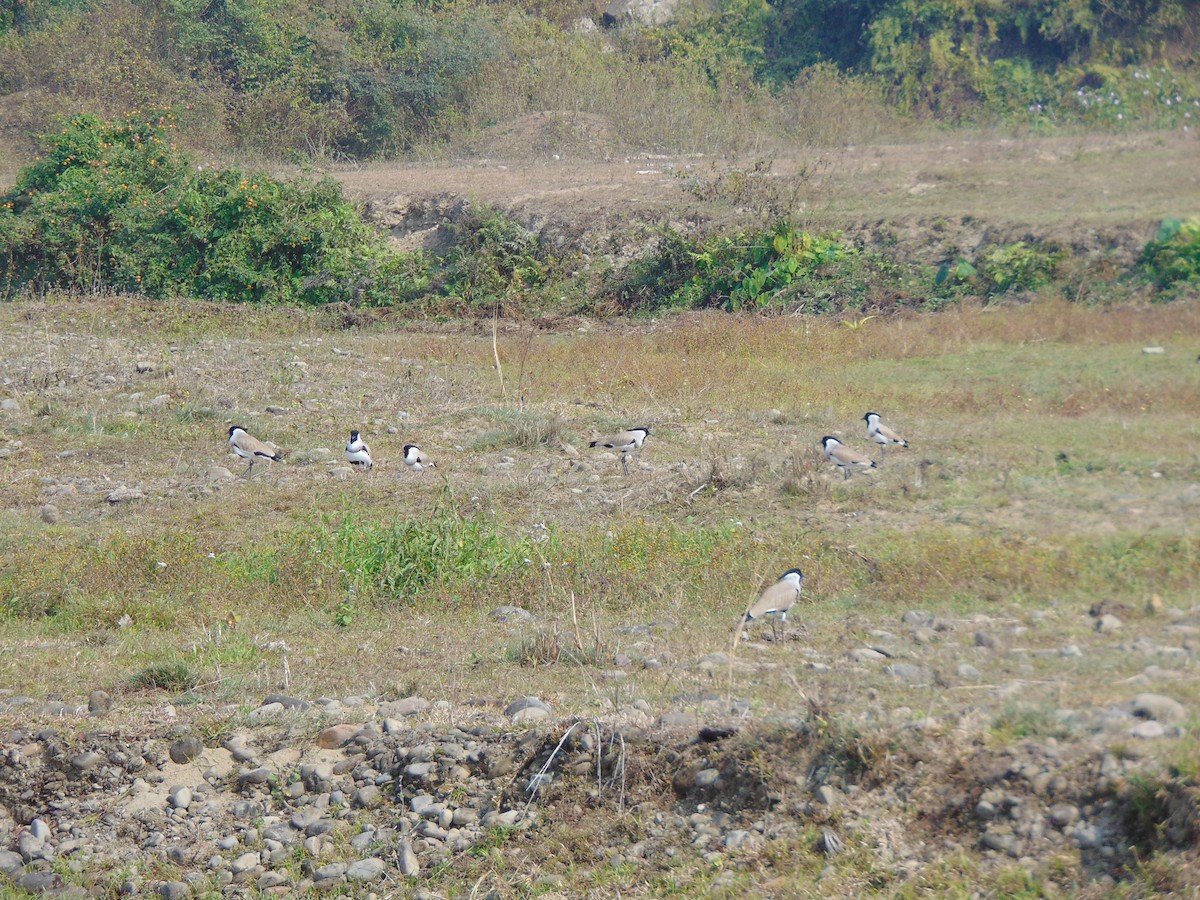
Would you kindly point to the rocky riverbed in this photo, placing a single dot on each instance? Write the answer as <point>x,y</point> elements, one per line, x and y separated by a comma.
<point>388,798</point>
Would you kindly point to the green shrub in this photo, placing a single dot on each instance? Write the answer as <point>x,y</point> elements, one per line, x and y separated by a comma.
<point>493,259</point>
<point>745,271</point>
<point>1020,266</point>
<point>1174,254</point>
<point>115,206</point>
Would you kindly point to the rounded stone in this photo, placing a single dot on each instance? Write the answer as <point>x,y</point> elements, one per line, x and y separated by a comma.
<point>185,750</point>
<point>181,798</point>
<point>366,870</point>
<point>337,736</point>
<point>174,890</point>
<point>1157,707</point>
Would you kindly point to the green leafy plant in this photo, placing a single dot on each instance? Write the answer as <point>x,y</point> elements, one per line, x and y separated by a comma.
<point>494,258</point>
<point>116,206</point>
<point>1019,266</point>
<point>1174,254</point>
<point>744,271</point>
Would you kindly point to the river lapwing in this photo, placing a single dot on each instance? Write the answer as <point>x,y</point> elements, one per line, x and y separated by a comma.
<point>249,447</point>
<point>843,457</point>
<point>777,600</point>
<point>623,442</point>
<point>357,452</point>
<point>880,433</point>
<point>416,460</point>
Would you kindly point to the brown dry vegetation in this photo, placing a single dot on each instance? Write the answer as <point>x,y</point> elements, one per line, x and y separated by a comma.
<point>1053,466</point>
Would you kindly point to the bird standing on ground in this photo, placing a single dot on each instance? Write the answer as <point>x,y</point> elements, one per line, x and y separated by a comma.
<point>249,447</point>
<point>777,600</point>
<point>880,433</point>
<point>416,460</point>
<point>357,451</point>
<point>624,442</point>
<point>843,457</point>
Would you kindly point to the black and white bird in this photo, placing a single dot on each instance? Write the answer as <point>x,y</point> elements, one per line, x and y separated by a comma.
<point>843,457</point>
<point>416,460</point>
<point>880,433</point>
<point>777,600</point>
<point>623,442</point>
<point>249,447</point>
<point>357,451</point>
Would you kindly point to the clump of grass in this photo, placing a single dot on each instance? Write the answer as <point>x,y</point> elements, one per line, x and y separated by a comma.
<point>174,677</point>
<point>1016,721</point>
<point>554,647</point>
<point>391,561</point>
<point>801,476</point>
<point>524,431</point>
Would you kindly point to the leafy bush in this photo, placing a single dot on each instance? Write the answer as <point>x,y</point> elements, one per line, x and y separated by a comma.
<point>116,206</point>
<point>1174,254</point>
<point>493,258</point>
<point>1019,266</point>
<point>746,271</point>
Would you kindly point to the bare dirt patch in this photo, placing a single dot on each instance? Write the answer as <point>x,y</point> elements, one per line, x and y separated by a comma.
<point>958,192</point>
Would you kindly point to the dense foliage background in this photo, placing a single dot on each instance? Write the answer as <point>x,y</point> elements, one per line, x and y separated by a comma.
<point>122,200</point>
<point>382,77</point>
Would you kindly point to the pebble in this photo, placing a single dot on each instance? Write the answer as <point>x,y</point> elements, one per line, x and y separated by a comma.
<point>125,495</point>
<point>174,890</point>
<point>337,736</point>
<point>244,863</point>
<point>1157,707</point>
<point>181,798</point>
<point>85,761</point>
<point>1063,814</point>
<point>1108,623</point>
<point>527,709</point>
<point>407,860</point>
<point>366,870</point>
<point>185,750</point>
<point>512,614</point>
<point>866,654</point>
<point>50,514</point>
<point>1147,730</point>
<point>906,672</point>
<point>330,872</point>
<point>409,706</point>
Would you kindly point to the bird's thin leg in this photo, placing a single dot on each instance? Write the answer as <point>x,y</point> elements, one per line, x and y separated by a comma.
<point>782,627</point>
<point>845,474</point>
<point>249,469</point>
<point>625,462</point>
